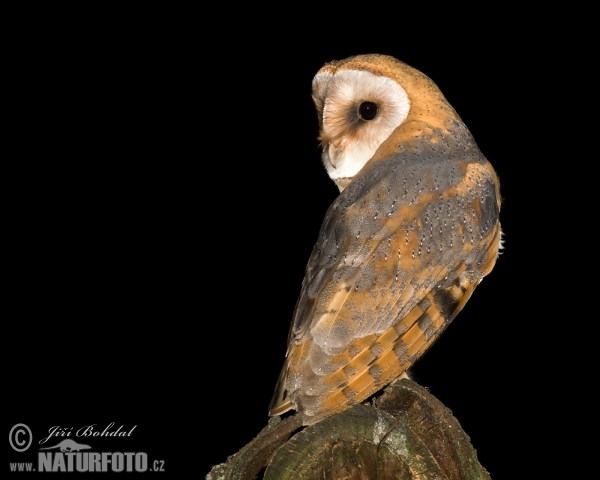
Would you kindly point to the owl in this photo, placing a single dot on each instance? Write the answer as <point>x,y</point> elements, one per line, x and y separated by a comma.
<point>401,249</point>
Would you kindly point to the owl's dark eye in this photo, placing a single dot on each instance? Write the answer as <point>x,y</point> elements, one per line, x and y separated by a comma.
<point>368,110</point>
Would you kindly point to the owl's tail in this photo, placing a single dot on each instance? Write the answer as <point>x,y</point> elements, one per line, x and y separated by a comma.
<point>281,401</point>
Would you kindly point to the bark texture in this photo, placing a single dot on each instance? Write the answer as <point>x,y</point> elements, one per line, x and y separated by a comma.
<point>405,433</point>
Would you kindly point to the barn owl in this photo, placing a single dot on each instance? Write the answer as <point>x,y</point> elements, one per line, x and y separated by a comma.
<point>412,233</point>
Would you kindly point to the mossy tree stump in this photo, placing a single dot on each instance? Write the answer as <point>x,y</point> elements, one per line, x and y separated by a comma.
<point>404,433</point>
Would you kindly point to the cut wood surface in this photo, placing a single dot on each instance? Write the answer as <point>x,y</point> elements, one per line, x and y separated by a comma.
<point>404,433</point>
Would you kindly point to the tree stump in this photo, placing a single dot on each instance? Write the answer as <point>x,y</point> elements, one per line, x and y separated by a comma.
<point>404,433</point>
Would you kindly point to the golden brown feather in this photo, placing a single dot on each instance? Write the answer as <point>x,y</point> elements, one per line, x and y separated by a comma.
<point>400,251</point>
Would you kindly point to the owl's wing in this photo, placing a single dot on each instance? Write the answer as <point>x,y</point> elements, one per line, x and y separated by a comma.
<point>399,253</point>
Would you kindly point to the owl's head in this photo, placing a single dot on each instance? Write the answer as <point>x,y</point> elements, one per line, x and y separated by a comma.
<point>362,100</point>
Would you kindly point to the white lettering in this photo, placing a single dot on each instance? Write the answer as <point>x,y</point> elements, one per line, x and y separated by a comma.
<point>141,462</point>
<point>118,462</point>
<point>82,462</point>
<point>105,461</point>
<point>92,461</point>
<point>44,461</point>
<point>70,456</point>
<point>59,463</point>
<point>87,431</point>
<point>57,431</point>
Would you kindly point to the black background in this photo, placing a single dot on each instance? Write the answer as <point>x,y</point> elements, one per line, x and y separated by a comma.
<point>165,191</point>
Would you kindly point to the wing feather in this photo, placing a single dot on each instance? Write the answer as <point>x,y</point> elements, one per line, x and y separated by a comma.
<point>394,263</point>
